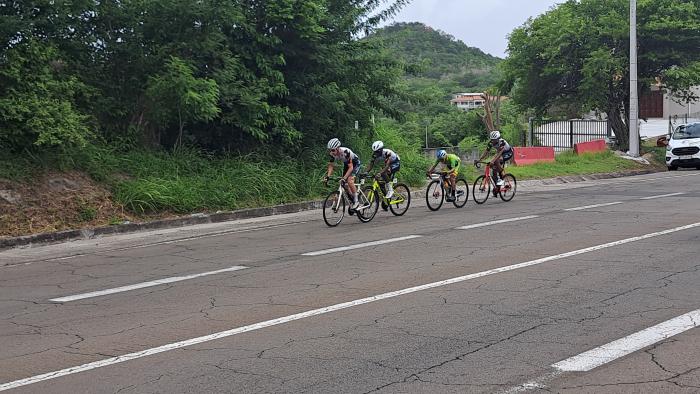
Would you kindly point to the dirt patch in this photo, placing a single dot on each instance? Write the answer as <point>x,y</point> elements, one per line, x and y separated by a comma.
<point>54,202</point>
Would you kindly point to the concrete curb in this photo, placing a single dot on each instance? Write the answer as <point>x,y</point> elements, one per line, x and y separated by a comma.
<point>201,218</point>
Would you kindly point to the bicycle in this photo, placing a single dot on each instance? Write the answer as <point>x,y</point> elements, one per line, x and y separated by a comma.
<point>482,185</point>
<point>439,188</point>
<point>398,203</point>
<point>334,204</point>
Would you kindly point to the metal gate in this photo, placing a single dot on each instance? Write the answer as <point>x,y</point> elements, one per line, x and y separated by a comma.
<point>564,134</point>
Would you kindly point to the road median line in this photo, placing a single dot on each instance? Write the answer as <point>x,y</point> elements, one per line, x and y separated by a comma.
<point>322,311</point>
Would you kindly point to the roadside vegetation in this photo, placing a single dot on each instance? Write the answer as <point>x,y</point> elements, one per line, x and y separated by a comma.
<point>141,109</point>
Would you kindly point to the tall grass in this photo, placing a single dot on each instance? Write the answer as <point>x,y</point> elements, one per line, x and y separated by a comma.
<point>568,163</point>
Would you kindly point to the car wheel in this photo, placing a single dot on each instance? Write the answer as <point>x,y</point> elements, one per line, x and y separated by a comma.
<point>672,168</point>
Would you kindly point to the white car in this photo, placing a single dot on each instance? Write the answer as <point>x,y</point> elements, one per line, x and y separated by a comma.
<point>683,148</point>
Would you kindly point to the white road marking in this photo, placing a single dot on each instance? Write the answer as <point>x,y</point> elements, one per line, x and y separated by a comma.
<point>321,311</point>
<point>661,196</point>
<point>362,245</point>
<point>604,354</point>
<point>144,284</point>
<point>593,206</point>
<point>496,222</point>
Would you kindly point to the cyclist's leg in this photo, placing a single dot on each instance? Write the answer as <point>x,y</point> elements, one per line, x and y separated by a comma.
<point>393,169</point>
<point>498,170</point>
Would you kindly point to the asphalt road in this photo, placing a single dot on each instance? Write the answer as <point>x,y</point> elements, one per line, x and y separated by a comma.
<point>529,296</point>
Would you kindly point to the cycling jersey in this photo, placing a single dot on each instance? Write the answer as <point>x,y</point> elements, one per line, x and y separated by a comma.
<point>345,155</point>
<point>452,161</point>
<point>386,154</point>
<point>504,145</point>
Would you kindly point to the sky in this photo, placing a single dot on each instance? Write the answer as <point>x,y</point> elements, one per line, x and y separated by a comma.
<point>484,24</point>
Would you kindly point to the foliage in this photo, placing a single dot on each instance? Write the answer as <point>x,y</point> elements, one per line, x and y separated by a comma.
<point>575,57</point>
<point>38,100</point>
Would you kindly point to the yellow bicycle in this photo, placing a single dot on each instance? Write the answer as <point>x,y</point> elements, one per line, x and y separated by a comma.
<point>398,203</point>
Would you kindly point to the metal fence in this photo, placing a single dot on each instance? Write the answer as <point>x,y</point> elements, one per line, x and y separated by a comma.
<point>564,134</point>
<point>677,120</point>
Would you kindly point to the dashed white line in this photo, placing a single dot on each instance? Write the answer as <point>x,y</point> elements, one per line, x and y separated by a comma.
<point>593,206</point>
<point>144,284</point>
<point>604,354</point>
<point>321,311</point>
<point>362,245</point>
<point>477,225</point>
<point>661,196</point>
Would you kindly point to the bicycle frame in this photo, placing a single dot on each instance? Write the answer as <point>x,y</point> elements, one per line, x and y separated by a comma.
<point>344,195</point>
<point>376,188</point>
<point>490,179</point>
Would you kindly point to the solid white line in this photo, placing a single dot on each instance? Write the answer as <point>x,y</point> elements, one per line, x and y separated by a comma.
<point>661,196</point>
<point>496,222</point>
<point>320,311</point>
<point>593,206</point>
<point>604,354</point>
<point>358,246</point>
<point>144,284</point>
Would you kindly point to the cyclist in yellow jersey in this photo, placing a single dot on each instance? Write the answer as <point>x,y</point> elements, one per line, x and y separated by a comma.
<point>451,162</point>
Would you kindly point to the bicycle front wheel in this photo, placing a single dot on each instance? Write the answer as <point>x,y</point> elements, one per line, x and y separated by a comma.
<point>481,190</point>
<point>434,195</point>
<point>462,192</point>
<point>333,209</point>
<point>401,199</point>
<point>509,186</point>
<point>369,204</point>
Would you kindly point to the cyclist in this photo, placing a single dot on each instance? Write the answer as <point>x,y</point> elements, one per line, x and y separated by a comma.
<point>392,165</point>
<point>504,152</point>
<point>351,166</point>
<point>451,162</point>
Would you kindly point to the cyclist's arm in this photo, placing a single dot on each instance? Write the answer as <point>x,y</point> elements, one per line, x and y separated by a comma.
<point>499,153</point>
<point>434,165</point>
<point>329,169</point>
<point>370,166</point>
<point>486,152</point>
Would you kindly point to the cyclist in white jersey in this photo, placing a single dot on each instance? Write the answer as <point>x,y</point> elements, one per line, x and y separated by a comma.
<point>351,166</point>
<point>504,152</point>
<point>392,165</point>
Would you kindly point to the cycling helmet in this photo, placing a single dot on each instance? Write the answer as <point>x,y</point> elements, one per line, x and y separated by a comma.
<point>334,143</point>
<point>441,154</point>
<point>495,135</point>
<point>377,145</point>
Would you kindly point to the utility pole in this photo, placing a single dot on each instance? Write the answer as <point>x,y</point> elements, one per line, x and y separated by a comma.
<point>634,99</point>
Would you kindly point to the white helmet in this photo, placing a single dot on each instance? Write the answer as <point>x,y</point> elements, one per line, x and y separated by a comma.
<point>334,143</point>
<point>377,145</point>
<point>495,135</point>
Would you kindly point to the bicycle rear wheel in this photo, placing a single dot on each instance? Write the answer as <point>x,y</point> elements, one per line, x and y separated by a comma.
<point>509,187</point>
<point>481,190</point>
<point>370,201</point>
<point>434,195</point>
<point>333,209</point>
<point>462,192</point>
<point>401,200</point>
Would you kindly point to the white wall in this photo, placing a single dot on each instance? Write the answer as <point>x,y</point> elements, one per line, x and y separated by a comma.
<point>671,107</point>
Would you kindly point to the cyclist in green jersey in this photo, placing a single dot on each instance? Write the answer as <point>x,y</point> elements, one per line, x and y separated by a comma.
<point>451,163</point>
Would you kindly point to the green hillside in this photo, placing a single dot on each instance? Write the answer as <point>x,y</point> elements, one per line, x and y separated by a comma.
<point>439,56</point>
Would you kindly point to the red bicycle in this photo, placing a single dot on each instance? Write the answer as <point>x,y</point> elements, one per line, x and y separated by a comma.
<point>483,184</point>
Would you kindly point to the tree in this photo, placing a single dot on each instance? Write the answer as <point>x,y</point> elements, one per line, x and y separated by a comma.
<point>177,96</point>
<point>38,99</point>
<point>576,56</point>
